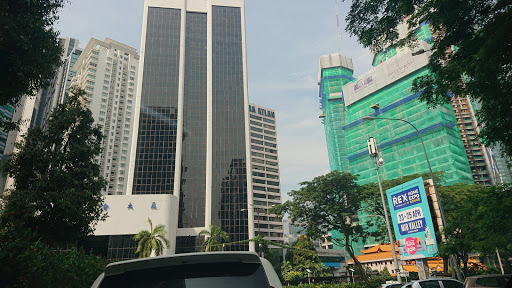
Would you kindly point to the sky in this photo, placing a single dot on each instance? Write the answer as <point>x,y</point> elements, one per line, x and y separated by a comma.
<point>285,39</point>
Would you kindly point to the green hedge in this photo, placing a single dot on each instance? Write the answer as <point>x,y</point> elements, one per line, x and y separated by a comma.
<point>41,266</point>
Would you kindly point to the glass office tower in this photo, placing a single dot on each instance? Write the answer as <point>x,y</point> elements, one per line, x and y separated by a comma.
<point>193,122</point>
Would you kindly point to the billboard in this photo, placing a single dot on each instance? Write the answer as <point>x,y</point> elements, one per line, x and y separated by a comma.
<point>412,222</point>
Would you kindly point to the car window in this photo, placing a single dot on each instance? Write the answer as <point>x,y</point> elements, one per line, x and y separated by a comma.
<point>229,275</point>
<point>430,284</point>
<point>491,281</point>
<point>452,284</point>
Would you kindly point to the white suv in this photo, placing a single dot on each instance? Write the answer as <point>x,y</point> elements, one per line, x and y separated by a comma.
<point>214,269</point>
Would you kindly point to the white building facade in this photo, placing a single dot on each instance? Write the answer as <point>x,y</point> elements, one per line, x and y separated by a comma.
<point>107,71</point>
<point>127,216</point>
<point>265,172</point>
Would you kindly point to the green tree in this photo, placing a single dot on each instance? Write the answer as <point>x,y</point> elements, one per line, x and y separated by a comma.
<point>151,241</point>
<point>57,184</point>
<point>477,221</point>
<point>301,258</point>
<point>480,65</point>
<point>491,216</point>
<point>327,203</point>
<point>214,237</point>
<point>29,47</point>
<point>271,255</point>
<point>458,204</point>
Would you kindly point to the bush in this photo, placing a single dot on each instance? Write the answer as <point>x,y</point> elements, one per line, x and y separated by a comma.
<point>37,265</point>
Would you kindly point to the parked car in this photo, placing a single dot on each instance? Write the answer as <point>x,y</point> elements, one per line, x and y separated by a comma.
<point>492,280</point>
<point>435,283</point>
<point>214,269</point>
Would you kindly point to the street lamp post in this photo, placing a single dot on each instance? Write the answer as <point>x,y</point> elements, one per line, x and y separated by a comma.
<point>441,211</point>
<point>372,150</point>
<point>257,210</point>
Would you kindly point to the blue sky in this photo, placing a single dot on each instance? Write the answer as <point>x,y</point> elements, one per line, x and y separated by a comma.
<point>285,39</point>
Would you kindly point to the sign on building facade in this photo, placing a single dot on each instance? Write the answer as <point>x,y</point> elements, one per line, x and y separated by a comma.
<point>412,222</point>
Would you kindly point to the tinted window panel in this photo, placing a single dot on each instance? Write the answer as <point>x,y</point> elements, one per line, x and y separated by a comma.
<point>430,284</point>
<point>156,142</point>
<point>229,175</point>
<point>452,284</point>
<point>227,275</point>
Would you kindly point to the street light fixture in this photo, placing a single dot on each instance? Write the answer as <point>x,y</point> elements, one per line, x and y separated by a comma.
<point>441,211</point>
<point>372,150</point>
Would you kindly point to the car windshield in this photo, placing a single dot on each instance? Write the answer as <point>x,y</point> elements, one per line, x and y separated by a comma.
<point>247,275</point>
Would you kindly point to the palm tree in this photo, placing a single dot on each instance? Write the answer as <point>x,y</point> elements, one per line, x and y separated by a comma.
<point>149,241</point>
<point>213,237</point>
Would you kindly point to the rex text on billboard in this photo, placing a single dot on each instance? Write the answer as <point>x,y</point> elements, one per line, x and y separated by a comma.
<point>412,221</point>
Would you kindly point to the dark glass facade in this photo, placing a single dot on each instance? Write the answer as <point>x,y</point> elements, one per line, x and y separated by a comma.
<point>193,172</point>
<point>113,247</point>
<point>229,172</point>
<point>156,143</point>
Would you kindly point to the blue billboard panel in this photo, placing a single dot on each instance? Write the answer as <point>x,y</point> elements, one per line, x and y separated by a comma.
<point>412,221</point>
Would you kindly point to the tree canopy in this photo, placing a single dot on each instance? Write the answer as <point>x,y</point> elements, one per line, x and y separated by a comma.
<point>29,47</point>
<point>327,203</point>
<point>472,52</point>
<point>57,184</point>
<point>477,221</point>
<point>301,258</point>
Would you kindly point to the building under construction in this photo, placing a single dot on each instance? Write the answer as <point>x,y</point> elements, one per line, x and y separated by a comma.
<point>386,92</point>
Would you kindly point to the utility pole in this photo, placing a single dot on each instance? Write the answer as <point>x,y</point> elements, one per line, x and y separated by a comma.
<point>258,223</point>
<point>372,150</point>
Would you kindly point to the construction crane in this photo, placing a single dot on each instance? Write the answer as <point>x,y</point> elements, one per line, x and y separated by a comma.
<point>338,23</point>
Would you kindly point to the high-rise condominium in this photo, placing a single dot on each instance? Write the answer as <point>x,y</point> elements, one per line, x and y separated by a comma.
<point>265,172</point>
<point>107,71</point>
<point>192,116</point>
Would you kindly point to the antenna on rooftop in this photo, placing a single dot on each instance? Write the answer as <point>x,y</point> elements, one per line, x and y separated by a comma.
<point>338,23</point>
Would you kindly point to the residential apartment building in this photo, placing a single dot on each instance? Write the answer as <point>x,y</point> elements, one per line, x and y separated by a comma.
<point>107,71</point>
<point>192,117</point>
<point>481,159</point>
<point>265,172</point>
